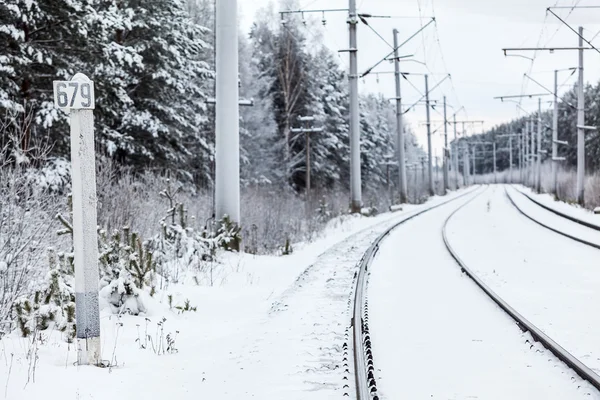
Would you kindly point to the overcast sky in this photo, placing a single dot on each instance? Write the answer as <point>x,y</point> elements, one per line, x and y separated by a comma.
<point>471,35</point>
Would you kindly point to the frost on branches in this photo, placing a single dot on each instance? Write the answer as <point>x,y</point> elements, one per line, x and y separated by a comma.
<point>180,249</point>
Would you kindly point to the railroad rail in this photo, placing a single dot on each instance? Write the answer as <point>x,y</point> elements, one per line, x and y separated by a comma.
<point>559,213</point>
<point>572,237</point>
<point>364,370</point>
<point>524,324</point>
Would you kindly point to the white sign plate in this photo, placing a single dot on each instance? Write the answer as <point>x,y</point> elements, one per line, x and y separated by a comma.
<point>75,94</point>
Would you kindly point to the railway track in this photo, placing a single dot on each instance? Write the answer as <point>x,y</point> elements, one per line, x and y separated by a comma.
<point>364,369</point>
<point>555,212</point>
<point>524,324</point>
<point>560,214</point>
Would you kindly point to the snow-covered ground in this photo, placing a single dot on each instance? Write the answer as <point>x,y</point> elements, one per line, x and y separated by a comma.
<point>435,334</point>
<point>551,280</point>
<point>556,221</point>
<point>270,328</point>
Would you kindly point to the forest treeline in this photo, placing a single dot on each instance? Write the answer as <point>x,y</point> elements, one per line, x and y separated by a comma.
<point>153,67</point>
<point>567,131</point>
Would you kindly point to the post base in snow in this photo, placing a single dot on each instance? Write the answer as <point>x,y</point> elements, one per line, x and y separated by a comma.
<point>355,207</point>
<point>88,351</point>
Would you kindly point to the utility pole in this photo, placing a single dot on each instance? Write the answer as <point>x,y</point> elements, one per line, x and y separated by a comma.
<point>495,176</point>
<point>532,152</point>
<point>307,131</point>
<point>389,161</point>
<point>580,126</point>
<point>355,180</point>
<point>227,142</point>
<point>423,169</point>
<point>466,166</point>
<point>538,179</point>
<point>400,129</point>
<point>474,149</point>
<point>510,153</point>
<point>510,159</point>
<point>429,155</point>
<point>521,152</point>
<point>455,154</point>
<point>526,153</point>
<point>445,155</point>
<point>555,137</point>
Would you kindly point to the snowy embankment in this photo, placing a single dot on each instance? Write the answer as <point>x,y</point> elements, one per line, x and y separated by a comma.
<point>551,280</point>
<point>270,327</point>
<point>435,334</point>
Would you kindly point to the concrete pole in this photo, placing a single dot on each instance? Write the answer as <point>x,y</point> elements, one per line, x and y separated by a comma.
<point>416,182</point>
<point>429,155</point>
<point>423,169</point>
<point>445,155</point>
<point>466,165</point>
<point>227,142</point>
<point>532,153</point>
<point>399,126</point>
<point>525,153</point>
<point>455,155</point>
<point>355,179</point>
<point>495,176</point>
<point>538,174</point>
<point>474,171</point>
<point>85,236</point>
<point>307,166</point>
<point>555,136</point>
<point>437,167</point>
<point>510,160</point>
<point>580,124</point>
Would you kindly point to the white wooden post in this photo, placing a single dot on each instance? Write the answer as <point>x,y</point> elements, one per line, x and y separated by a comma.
<point>77,96</point>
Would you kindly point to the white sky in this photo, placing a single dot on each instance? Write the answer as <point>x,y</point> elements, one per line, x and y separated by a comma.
<point>472,34</point>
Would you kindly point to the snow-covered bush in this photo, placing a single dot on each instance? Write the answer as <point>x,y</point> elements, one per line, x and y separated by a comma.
<point>53,301</point>
<point>180,247</point>
<point>127,267</point>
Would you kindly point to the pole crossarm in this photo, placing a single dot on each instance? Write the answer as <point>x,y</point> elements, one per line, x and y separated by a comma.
<point>368,71</point>
<point>555,95</point>
<point>457,121</point>
<point>426,94</point>
<point>570,7</point>
<point>306,130</point>
<point>313,11</point>
<point>517,96</point>
<point>573,30</point>
<point>509,135</point>
<point>550,49</point>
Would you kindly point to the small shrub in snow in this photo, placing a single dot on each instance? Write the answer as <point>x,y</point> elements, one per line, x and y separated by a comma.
<point>127,267</point>
<point>177,247</point>
<point>53,301</point>
<point>228,235</point>
<point>287,248</point>
<point>187,306</point>
<point>323,211</point>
